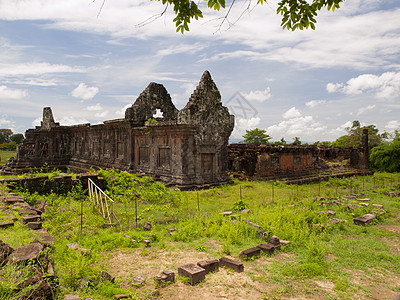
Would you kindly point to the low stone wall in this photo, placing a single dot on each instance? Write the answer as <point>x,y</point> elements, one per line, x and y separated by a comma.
<point>45,185</point>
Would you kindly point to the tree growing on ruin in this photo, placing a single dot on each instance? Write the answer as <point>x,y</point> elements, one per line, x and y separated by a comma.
<point>386,156</point>
<point>354,133</point>
<point>296,14</point>
<point>256,136</point>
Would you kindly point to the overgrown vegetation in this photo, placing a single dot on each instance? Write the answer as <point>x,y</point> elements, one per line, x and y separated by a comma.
<point>319,249</point>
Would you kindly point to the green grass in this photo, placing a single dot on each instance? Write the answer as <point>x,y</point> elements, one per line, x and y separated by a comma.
<point>5,155</point>
<point>324,252</point>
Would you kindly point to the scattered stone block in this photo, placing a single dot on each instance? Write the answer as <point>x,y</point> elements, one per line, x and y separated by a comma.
<point>336,221</point>
<point>254,225</point>
<point>364,204</point>
<point>6,224</point>
<point>50,269</point>
<point>235,217</point>
<point>365,219</point>
<point>210,265</point>
<point>41,291</point>
<point>73,246</point>
<point>35,225</point>
<point>284,243</point>
<point>71,296</point>
<point>5,251</point>
<point>330,213</point>
<point>251,252</point>
<point>138,280</point>
<point>226,213</point>
<point>275,241</point>
<point>27,252</point>
<point>86,252</point>
<point>147,226</point>
<point>377,205</point>
<point>266,248</point>
<point>350,207</point>
<point>44,237</point>
<point>246,211</point>
<point>194,273</point>
<point>172,229</point>
<point>364,200</point>
<point>28,219</point>
<point>165,277</point>
<point>122,296</point>
<point>105,276</point>
<point>231,264</point>
<point>147,243</point>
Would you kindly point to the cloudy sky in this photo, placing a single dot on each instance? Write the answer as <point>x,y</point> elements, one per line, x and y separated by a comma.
<point>90,64</point>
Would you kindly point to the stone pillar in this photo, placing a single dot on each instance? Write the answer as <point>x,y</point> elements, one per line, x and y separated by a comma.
<point>364,150</point>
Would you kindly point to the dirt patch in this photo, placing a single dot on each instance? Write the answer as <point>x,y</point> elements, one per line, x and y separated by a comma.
<point>148,262</point>
<point>392,228</point>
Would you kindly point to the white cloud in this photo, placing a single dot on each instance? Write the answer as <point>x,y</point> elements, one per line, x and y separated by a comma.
<point>36,69</point>
<point>363,110</point>
<point>9,93</point>
<point>392,125</point>
<point>258,96</point>
<point>96,107</point>
<point>121,112</point>
<point>296,125</point>
<point>84,92</point>
<point>291,113</point>
<point>102,114</point>
<point>68,121</point>
<point>242,125</point>
<point>4,122</point>
<point>333,87</point>
<point>314,103</point>
<point>384,86</point>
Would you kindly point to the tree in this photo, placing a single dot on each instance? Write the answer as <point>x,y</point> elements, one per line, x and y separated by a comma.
<point>5,135</point>
<point>353,138</point>
<point>17,138</point>
<point>386,156</point>
<point>296,141</point>
<point>296,14</point>
<point>256,136</point>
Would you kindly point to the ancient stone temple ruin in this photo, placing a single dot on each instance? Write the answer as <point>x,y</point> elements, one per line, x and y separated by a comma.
<point>186,148</point>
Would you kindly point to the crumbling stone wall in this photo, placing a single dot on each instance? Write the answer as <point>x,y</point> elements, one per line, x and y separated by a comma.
<point>292,161</point>
<point>186,148</point>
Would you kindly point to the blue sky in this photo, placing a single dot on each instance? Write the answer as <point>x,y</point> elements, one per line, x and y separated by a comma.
<point>309,84</point>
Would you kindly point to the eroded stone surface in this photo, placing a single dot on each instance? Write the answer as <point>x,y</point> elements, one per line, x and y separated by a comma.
<point>194,273</point>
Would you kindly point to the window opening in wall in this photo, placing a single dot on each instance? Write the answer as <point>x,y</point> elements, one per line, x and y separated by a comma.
<point>158,114</point>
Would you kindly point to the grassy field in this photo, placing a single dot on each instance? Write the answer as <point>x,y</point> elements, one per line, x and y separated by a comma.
<point>5,156</point>
<point>324,260</point>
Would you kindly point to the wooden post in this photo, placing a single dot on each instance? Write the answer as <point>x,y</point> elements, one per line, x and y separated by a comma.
<point>81,214</point>
<point>198,202</point>
<point>136,211</point>
<point>273,194</point>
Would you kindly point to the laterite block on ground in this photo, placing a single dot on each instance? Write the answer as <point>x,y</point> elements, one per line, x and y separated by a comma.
<point>193,272</point>
<point>231,264</point>
<point>252,252</point>
<point>210,265</point>
<point>267,248</point>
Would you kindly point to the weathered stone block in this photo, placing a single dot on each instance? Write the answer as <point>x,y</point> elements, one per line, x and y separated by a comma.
<point>231,264</point>
<point>267,248</point>
<point>365,219</point>
<point>24,253</point>
<point>5,251</point>
<point>28,219</point>
<point>274,240</point>
<point>35,225</point>
<point>194,273</point>
<point>7,224</point>
<point>210,265</point>
<point>251,252</point>
<point>165,277</point>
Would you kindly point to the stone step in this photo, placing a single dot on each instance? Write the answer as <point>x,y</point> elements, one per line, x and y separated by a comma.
<point>28,219</point>
<point>6,224</point>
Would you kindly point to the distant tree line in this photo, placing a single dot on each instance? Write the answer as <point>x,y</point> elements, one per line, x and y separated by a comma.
<point>384,154</point>
<point>9,140</point>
